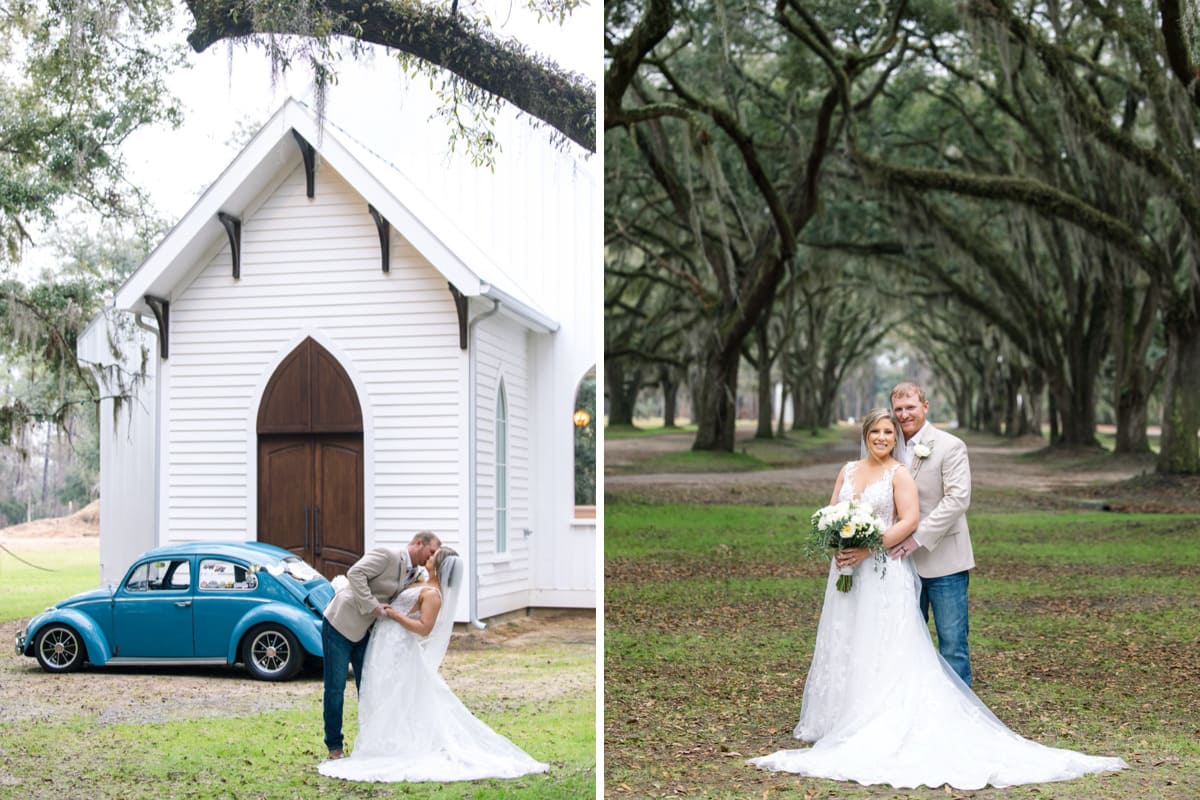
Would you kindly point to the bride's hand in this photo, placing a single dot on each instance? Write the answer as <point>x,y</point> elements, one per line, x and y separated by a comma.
<point>851,556</point>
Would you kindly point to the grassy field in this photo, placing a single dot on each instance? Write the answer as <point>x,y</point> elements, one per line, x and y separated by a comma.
<point>1085,634</point>
<point>271,756</point>
<point>32,578</point>
<point>70,746</point>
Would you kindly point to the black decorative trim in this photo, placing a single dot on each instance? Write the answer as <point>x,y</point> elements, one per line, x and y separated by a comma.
<point>162,314</point>
<point>309,153</point>
<point>233,227</point>
<point>385,238</point>
<point>460,303</point>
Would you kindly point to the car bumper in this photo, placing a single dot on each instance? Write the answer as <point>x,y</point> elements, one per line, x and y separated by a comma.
<point>20,643</point>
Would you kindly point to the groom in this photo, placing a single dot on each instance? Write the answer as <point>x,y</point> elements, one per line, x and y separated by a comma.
<point>372,582</point>
<point>941,545</point>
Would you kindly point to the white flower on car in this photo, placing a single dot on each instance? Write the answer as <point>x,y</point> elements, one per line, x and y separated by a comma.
<point>922,450</point>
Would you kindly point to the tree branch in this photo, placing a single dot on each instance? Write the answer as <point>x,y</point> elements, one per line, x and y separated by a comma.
<point>1178,55</point>
<point>469,49</point>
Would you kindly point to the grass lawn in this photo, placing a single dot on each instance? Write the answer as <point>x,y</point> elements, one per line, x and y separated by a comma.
<point>32,578</point>
<point>1085,634</point>
<point>56,743</point>
<point>272,755</point>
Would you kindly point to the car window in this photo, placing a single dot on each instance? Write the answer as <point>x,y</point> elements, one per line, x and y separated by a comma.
<point>216,574</point>
<point>179,575</point>
<point>168,574</point>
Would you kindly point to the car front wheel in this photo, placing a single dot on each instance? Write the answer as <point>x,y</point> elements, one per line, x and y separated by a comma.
<point>271,653</point>
<point>59,649</point>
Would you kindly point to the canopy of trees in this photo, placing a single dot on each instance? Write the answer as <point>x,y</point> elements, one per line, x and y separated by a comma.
<point>1007,188</point>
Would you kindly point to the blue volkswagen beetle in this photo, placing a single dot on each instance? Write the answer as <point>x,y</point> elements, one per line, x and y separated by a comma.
<point>191,604</point>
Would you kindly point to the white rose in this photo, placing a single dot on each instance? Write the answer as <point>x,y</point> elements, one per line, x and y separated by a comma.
<point>922,450</point>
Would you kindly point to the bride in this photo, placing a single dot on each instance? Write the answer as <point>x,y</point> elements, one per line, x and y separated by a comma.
<point>880,704</point>
<point>411,727</point>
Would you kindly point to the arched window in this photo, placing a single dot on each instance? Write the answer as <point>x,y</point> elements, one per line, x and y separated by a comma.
<point>501,471</point>
<point>585,446</point>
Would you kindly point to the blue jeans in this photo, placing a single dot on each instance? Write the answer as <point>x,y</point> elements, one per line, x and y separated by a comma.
<point>340,653</point>
<point>948,597</point>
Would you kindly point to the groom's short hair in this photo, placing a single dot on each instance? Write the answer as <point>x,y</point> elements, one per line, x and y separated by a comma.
<point>905,388</point>
<point>424,537</point>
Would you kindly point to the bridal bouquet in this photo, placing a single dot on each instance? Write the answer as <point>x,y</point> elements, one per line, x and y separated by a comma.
<point>844,525</point>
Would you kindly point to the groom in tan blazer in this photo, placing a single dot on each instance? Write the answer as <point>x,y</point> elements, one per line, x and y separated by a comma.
<point>372,582</point>
<point>941,545</point>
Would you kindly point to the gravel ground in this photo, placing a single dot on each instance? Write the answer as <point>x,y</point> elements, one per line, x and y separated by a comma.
<point>478,664</point>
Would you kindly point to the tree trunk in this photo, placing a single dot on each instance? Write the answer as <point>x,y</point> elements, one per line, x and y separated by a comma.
<point>622,392</point>
<point>716,406</point>
<point>1179,453</point>
<point>1131,414</point>
<point>962,408</point>
<point>670,390</point>
<point>799,405</point>
<point>783,404</point>
<point>1012,428</point>
<point>1036,386</point>
<point>1132,324</point>
<point>1078,414</point>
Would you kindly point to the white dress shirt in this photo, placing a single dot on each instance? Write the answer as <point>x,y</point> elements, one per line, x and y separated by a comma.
<point>909,444</point>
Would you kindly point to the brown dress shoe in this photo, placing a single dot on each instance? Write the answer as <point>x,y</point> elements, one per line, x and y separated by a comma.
<point>334,755</point>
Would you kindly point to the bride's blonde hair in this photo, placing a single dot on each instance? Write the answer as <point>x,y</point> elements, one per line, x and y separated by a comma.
<point>439,558</point>
<point>873,416</point>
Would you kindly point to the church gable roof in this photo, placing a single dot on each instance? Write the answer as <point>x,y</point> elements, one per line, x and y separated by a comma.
<point>275,151</point>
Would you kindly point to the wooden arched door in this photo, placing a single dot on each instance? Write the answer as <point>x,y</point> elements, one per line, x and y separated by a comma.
<point>310,461</point>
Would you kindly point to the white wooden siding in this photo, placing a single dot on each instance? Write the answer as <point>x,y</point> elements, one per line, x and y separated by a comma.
<point>312,268</point>
<point>502,353</point>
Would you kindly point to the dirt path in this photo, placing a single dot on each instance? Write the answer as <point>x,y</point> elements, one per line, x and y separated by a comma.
<point>1021,470</point>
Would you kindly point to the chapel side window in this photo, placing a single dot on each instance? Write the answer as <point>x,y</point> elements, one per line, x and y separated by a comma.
<point>585,446</point>
<point>501,471</point>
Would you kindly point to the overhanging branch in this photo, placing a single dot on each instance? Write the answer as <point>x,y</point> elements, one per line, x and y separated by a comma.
<point>542,89</point>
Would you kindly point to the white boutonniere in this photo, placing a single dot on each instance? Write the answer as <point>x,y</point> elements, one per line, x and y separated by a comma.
<point>922,450</point>
<point>339,582</point>
<point>421,575</point>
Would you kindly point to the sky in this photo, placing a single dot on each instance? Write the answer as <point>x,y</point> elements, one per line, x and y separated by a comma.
<point>228,88</point>
<point>225,87</point>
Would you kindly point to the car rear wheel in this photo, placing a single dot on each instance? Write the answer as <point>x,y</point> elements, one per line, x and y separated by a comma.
<point>271,653</point>
<point>59,649</point>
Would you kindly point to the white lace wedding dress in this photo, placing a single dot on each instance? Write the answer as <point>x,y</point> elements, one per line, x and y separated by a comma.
<point>881,705</point>
<point>411,727</point>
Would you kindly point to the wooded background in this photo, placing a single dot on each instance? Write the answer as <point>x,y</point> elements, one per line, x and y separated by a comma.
<point>1003,193</point>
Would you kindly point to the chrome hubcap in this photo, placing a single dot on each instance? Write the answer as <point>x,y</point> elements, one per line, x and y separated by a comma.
<point>270,651</point>
<point>59,648</point>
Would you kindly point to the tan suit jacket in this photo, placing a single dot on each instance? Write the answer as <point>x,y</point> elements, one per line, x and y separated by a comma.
<point>944,490</point>
<point>373,581</point>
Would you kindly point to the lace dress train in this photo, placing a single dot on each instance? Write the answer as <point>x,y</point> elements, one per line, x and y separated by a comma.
<point>881,706</point>
<point>412,727</point>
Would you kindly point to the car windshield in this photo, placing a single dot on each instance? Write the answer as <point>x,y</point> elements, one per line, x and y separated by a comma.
<point>295,567</point>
